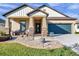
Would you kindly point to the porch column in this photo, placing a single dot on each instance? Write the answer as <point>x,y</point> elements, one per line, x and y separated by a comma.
<point>31,26</point>
<point>44,27</point>
<point>73,28</point>
<point>9,26</point>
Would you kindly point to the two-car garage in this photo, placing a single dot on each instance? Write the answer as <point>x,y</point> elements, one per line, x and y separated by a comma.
<point>59,28</point>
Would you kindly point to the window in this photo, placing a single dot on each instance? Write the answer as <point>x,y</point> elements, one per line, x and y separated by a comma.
<point>23,25</point>
<point>77,25</point>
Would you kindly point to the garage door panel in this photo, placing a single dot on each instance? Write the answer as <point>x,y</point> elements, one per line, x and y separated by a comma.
<point>59,28</point>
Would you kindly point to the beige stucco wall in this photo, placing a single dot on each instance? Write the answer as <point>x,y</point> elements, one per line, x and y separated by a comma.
<point>15,24</point>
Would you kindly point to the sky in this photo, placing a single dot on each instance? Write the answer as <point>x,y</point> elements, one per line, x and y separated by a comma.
<point>70,9</point>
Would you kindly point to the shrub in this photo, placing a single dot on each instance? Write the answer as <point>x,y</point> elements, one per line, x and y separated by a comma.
<point>76,32</point>
<point>66,48</point>
<point>4,36</point>
<point>51,50</point>
<point>2,33</point>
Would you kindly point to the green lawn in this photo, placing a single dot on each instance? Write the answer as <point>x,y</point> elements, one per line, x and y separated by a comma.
<point>15,49</point>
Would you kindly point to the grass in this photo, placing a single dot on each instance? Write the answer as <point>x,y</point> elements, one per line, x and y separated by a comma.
<point>15,49</point>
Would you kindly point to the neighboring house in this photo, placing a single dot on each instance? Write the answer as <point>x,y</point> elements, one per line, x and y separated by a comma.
<point>42,20</point>
<point>2,24</point>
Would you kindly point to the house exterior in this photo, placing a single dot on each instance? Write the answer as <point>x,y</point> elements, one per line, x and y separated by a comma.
<point>42,20</point>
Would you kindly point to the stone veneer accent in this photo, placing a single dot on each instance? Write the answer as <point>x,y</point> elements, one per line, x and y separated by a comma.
<point>31,26</point>
<point>44,27</point>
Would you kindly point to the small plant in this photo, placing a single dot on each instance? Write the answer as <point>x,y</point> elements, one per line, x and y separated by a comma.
<point>62,52</point>
<point>76,45</point>
<point>51,50</point>
<point>65,48</point>
<point>2,33</point>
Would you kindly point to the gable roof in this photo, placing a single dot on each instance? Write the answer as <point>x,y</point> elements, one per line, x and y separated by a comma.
<point>37,11</point>
<point>52,9</point>
<point>23,5</point>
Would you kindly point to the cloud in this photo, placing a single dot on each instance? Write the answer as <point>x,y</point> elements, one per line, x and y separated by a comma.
<point>74,6</point>
<point>5,7</point>
<point>1,17</point>
<point>1,9</point>
<point>35,5</point>
<point>54,4</point>
<point>74,15</point>
<point>8,5</point>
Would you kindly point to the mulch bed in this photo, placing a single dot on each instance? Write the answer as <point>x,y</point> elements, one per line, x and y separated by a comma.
<point>4,38</point>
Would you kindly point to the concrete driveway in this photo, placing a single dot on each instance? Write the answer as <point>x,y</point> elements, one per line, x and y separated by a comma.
<point>68,39</point>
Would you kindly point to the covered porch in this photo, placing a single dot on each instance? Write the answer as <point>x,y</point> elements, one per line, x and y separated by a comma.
<point>35,25</point>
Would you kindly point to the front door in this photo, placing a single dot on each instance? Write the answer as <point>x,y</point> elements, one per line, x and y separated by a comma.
<point>22,26</point>
<point>37,28</point>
